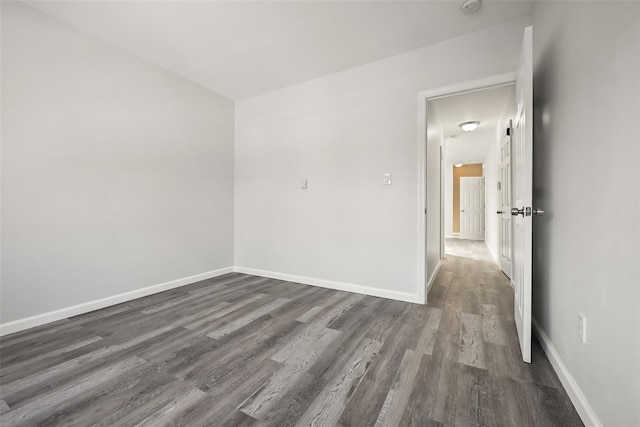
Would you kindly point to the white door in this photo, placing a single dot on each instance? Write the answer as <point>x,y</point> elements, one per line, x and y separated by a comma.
<point>504,210</point>
<point>522,168</point>
<point>472,207</point>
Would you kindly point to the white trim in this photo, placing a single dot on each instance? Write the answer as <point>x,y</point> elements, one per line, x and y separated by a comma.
<point>63,313</point>
<point>423,98</point>
<point>469,86</point>
<point>330,284</point>
<point>495,258</point>
<point>586,412</point>
<point>433,276</point>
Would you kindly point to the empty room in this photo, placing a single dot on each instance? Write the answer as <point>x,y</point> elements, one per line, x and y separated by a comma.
<point>328,213</point>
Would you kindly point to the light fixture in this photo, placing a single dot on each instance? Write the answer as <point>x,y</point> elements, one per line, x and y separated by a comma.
<point>458,165</point>
<point>469,126</point>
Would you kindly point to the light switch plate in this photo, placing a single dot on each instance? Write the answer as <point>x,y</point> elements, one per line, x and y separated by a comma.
<point>582,328</point>
<point>303,184</point>
<point>386,180</point>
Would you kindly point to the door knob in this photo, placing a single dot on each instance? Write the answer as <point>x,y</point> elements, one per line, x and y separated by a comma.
<point>526,211</point>
<point>499,212</point>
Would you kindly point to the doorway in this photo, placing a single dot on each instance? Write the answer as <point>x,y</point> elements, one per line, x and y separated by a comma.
<point>468,195</point>
<point>472,162</point>
<point>472,208</point>
<point>521,177</point>
<point>444,144</point>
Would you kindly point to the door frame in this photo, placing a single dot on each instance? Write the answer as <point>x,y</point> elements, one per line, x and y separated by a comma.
<point>426,278</point>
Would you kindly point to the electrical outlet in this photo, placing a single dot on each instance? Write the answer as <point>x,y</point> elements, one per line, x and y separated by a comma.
<point>245,239</point>
<point>582,328</point>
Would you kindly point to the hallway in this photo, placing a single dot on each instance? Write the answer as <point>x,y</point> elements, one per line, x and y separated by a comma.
<point>477,324</point>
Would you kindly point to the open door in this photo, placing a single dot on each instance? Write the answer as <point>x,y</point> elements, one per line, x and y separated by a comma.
<point>522,210</point>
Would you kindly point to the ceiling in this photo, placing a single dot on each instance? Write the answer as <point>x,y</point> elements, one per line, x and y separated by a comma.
<point>240,49</point>
<point>487,106</point>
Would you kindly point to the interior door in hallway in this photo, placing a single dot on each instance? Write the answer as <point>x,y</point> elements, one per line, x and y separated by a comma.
<point>472,208</point>
<point>522,169</point>
<point>504,210</point>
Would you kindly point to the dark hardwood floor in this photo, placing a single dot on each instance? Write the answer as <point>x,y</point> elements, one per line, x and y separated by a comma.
<point>244,350</point>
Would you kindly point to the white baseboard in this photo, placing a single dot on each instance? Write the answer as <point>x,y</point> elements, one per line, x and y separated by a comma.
<point>433,278</point>
<point>63,313</point>
<point>586,412</point>
<point>495,257</point>
<point>340,286</point>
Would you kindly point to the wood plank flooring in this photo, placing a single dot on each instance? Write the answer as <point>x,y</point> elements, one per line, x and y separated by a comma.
<point>242,350</point>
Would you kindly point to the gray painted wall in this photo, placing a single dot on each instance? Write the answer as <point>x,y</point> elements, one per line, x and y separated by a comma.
<point>343,132</point>
<point>587,157</point>
<point>116,175</point>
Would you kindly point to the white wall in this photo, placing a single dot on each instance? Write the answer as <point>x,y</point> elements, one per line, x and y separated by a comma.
<point>491,173</point>
<point>587,246</point>
<point>116,175</point>
<point>435,140</point>
<point>343,132</point>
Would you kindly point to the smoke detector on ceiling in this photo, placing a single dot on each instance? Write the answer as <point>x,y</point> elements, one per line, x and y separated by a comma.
<point>470,6</point>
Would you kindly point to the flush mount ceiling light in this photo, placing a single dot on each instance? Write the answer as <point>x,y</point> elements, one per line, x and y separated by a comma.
<point>458,165</point>
<point>470,6</point>
<point>469,126</point>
